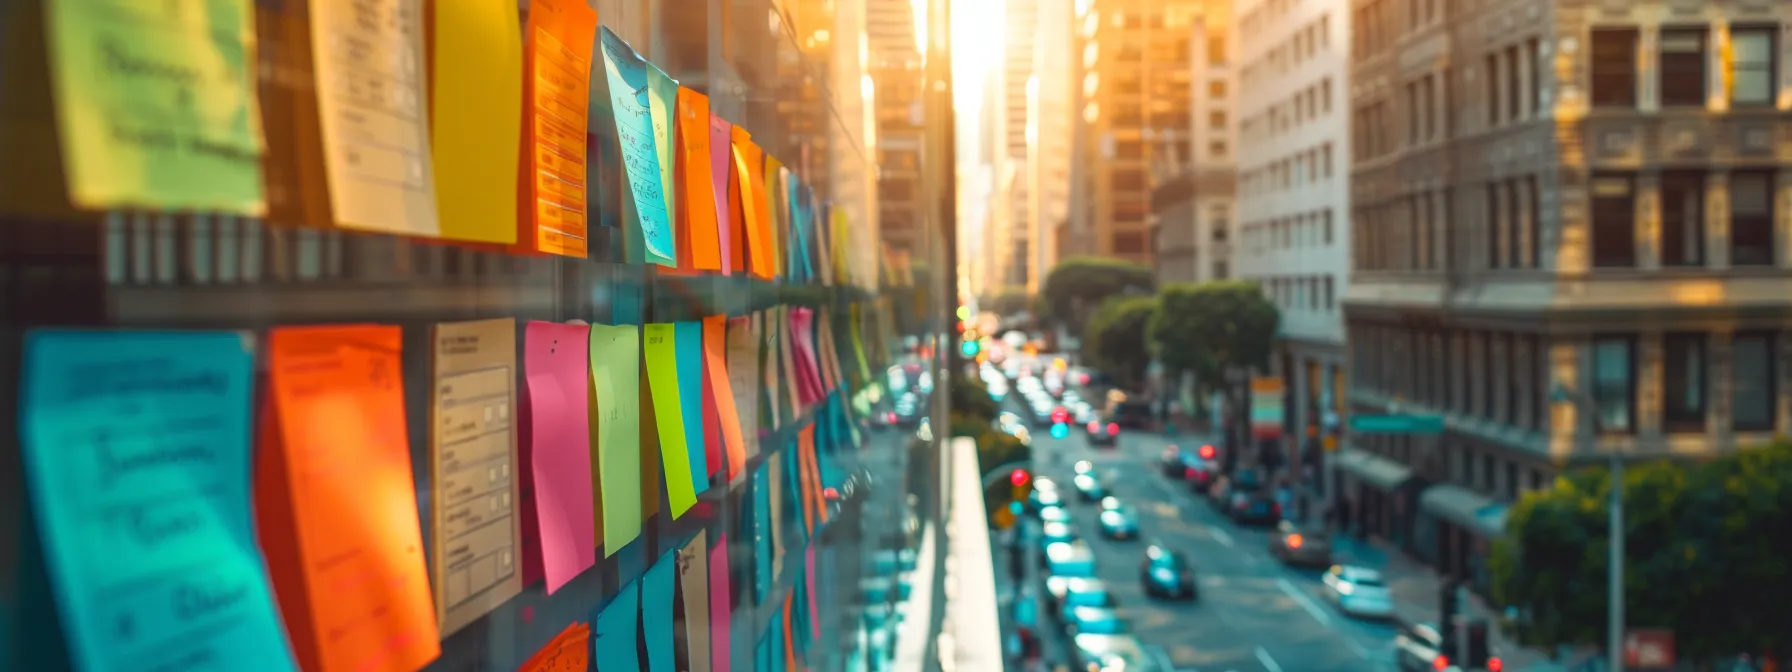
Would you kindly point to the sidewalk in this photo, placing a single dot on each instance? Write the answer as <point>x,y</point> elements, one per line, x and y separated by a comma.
<point>1416,596</point>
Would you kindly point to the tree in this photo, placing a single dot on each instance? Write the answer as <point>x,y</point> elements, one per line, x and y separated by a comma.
<point>1079,284</point>
<point>1705,548</point>
<point>1115,339</point>
<point>1007,302</point>
<point>1214,328</point>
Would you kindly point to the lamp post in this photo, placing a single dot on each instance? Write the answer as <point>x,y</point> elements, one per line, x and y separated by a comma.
<point>1614,636</point>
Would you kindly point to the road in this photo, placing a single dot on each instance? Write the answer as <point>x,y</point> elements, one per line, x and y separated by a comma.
<point>1254,614</point>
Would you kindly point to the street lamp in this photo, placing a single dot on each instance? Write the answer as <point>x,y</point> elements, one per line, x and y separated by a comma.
<point>1614,637</point>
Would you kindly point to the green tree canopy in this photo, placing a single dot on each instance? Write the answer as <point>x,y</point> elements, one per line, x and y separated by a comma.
<point>1706,550</point>
<point>1210,327</point>
<point>1007,301</point>
<point>1077,285</point>
<point>1114,341</point>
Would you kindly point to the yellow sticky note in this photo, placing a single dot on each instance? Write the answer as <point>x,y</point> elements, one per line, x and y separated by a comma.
<point>662,383</point>
<point>476,129</point>
<point>158,108</point>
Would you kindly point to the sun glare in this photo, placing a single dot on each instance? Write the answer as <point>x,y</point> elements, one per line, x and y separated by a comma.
<point>978,29</point>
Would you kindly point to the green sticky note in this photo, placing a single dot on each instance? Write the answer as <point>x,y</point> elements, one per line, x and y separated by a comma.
<point>157,107</point>
<point>662,382</point>
<point>616,378</point>
<point>662,95</point>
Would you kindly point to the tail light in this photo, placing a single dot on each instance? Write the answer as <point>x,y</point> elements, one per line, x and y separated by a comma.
<point>1276,508</point>
<point>1440,663</point>
<point>1207,452</point>
<point>1094,427</point>
<point>1494,665</point>
<point>892,416</point>
<point>1190,474</point>
<point>1113,429</point>
<point>1294,541</point>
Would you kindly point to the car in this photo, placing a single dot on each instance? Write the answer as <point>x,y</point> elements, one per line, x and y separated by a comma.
<point>1294,545</point>
<point>1076,593</point>
<point>1200,467</point>
<point>1054,514</point>
<point>1052,533</point>
<point>1103,620</point>
<point>1112,653</point>
<point>1102,435</point>
<point>1358,592</point>
<point>1120,522</point>
<point>1255,507</point>
<point>1083,467</point>
<point>1167,573</point>
<point>1070,559</point>
<point>1045,493</point>
<point>1418,648</point>
<point>1089,487</point>
<point>1221,494</point>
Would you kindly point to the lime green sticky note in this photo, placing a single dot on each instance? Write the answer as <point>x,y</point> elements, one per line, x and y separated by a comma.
<point>157,107</point>
<point>616,381</point>
<point>662,383</point>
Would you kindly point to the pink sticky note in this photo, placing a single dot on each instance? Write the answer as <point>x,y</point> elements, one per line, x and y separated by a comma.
<point>555,366</point>
<point>721,134</point>
<point>809,576</point>
<point>719,612</point>
<point>809,382</point>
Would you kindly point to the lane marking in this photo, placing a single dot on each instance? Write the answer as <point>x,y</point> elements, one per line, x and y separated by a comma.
<point>1305,602</point>
<point>1220,535</point>
<point>1161,656</point>
<point>1268,662</point>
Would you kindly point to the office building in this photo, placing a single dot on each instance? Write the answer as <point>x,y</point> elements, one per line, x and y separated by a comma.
<point>894,56</point>
<point>1193,201</point>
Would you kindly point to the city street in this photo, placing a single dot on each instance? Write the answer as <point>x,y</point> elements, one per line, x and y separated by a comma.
<point>1254,613</point>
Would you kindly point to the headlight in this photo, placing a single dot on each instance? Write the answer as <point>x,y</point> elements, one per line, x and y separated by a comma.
<point>1163,574</point>
<point>1346,588</point>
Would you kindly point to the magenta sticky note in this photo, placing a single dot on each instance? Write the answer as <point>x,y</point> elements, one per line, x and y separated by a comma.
<point>554,368</point>
<point>721,166</point>
<point>809,577</point>
<point>808,376</point>
<point>720,650</point>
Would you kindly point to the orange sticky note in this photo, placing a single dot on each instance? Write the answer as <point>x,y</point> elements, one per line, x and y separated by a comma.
<point>696,181</point>
<point>749,168</point>
<point>806,469</point>
<point>715,355</point>
<point>569,651</point>
<point>335,504</point>
<point>556,95</point>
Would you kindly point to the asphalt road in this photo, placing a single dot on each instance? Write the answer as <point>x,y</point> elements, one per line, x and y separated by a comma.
<point>1254,613</point>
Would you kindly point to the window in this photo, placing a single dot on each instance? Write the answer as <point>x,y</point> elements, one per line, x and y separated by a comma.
<point>1217,149</point>
<point>1683,66</point>
<point>1216,120</point>
<point>1428,107</point>
<point>1325,161</point>
<point>1614,375</point>
<point>1614,213</point>
<point>1540,382</point>
<point>1331,300</point>
<point>1492,77</point>
<point>1495,253</point>
<point>1614,67</point>
<point>1682,218</point>
<point>1487,472</point>
<point>1328,226</point>
<point>1216,89</point>
<point>1216,49</point>
<point>1129,242</point>
<point>1751,219</point>
<point>1325,95</point>
<point>1514,222</point>
<point>1683,382</point>
<point>1412,113</point>
<point>1751,378</point>
<point>1752,71</point>
<point>1533,220</point>
<point>1219,270</point>
<point>1514,105</point>
<point>1532,66</point>
<point>1511,481</point>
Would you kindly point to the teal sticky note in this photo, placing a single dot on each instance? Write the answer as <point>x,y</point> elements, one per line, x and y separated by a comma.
<point>656,612</point>
<point>777,636</point>
<point>762,653</point>
<point>687,343</point>
<point>627,77</point>
<point>613,638</point>
<point>762,531</point>
<point>136,451</point>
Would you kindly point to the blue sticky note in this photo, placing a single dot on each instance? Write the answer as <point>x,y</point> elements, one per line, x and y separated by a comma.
<point>613,639</point>
<point>777,635</point>
<point>762,531</point>
<point>629,96</point>
<point>762,653</point>
<point>136,449</point>
<point>687,343</point>
<point>656,612</point>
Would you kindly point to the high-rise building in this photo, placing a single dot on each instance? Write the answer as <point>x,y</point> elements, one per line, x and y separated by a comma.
<point>1572,234</point>
<point>1019,35</point>
<point>1050,104</point>
<point>1293,193</point>
<point>1193,200</point>
<point>1134,106</point>
<point>894,64</point>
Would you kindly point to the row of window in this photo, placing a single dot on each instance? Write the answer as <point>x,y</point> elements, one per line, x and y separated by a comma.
<point>1305,167</point>
<point>1305,105</point>
<point>1307,42</point>
<point>1311,292</point>
<point>1683,218</point>
<point>1749,69</point>
<point>1686,382</point>
<point>1514,83</point>
<point>1480,470</point>
<point>1306,229</point>
<point>1264,17</point>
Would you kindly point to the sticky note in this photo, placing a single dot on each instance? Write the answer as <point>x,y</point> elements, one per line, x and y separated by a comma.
<point>762,530</point>
<point>698,180</point>
<point>158,110</point>
<point>615,377</point>
<point>787,356</point>
<point>557,430</point>
<point>628,80</point>
<point>557,103</point>
<point>716,365</point>
<point>689,343</point>
<point>715,449</point>
<point>568,651</point>
<point>656,612</point>
<point>370,84</point>
<point>661,352</point>
<point>335,503</point>
<point>776,477</point>
<point>809,590</point>
<point>613,641</point>
<point>720,613</point>
<point>474,126</point>
<point>750,179</point>
<point>721,165</point>
<point>662,106</point>
<point>477,535</point>
<point>693,585</point>
<point>136,450</point>
<point>743,383</point>
<point>777,207</point>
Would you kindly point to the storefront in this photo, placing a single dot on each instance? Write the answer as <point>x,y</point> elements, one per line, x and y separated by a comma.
<point>1382,495</point>
<point>1456,531</point>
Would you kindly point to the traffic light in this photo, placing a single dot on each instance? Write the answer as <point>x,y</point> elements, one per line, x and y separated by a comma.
<point>1447,610</point>
<point>1022,485</point>
<point>970,348</point>
<point>1478,655</point>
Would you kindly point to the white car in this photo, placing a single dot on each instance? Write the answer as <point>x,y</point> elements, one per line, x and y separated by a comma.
<point>1359,592</point>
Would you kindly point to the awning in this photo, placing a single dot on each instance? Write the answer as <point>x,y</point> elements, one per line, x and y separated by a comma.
<point>1377,471</point>
<point>1471,510</point>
